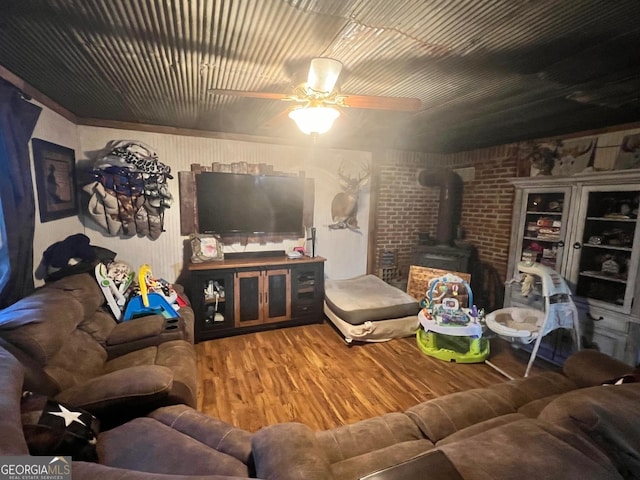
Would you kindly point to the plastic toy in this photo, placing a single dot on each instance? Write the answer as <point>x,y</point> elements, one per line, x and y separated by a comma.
<point>114,294</point>
<point>449,331</point>
<point>148,303</point>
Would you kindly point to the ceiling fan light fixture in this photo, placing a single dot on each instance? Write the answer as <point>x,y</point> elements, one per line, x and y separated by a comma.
<point>314,119</point>
<point>323,74</point>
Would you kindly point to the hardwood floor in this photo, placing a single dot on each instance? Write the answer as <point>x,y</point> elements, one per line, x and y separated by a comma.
<point>308,374</point>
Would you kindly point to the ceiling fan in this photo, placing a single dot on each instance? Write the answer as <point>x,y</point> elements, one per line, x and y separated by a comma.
<point>319,101</point>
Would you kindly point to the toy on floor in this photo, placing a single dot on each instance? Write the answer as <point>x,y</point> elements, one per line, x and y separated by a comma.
<point>450,331</point>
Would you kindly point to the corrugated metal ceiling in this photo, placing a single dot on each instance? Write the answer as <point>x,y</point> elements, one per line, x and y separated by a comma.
<point>487,71</point>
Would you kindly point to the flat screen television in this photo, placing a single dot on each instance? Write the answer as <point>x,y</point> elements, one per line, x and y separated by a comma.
<point>238,204</point>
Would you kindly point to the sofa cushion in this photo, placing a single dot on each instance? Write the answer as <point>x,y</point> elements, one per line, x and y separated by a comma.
<point>434,464</point>
<point>289,451</point>
<point>147,445</point>
<point>79,359</point>
<point>99,326</point>
<point>84,288</point>
<point>180,356</point>
<point>46,318</point>
<point>361,465</point>
<point>481,427</point>
<point>533,409</point>
<point>528,449</point>
<point>367,436</point>
<point>440,417</point>
<point>520,391</point>
<point>609,416</point>
<point>127,389</point>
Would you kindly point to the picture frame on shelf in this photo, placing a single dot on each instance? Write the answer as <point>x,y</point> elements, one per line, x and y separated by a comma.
<point>55,171</point>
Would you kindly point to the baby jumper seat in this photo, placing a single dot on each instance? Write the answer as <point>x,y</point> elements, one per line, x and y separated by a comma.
<point>450,331</point>
<point>525,325</point>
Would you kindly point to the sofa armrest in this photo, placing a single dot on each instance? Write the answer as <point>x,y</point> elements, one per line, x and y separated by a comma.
<point>289,451</point>
<point>134,389</point>
<point>136,329</point>
<point>144,332</point>
<point>12,440</point>
<point>211,431</point>
<point>588,368</point>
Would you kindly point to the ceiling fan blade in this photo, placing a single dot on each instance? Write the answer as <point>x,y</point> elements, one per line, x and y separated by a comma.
<point>403,104</point>
<point>245,93</point>
<point>323,74</point>
<point>276,121</point>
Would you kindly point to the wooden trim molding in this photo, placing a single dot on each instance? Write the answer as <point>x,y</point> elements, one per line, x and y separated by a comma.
<point>36,95</point>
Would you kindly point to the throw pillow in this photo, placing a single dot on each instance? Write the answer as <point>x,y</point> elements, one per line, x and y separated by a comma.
<point>628,378</point>
<point>52,428</point>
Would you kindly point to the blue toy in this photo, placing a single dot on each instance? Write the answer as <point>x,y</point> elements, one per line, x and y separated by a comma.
<point>147,303</point>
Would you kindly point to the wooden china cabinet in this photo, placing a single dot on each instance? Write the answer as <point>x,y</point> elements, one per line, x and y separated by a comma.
<point>585,227</point>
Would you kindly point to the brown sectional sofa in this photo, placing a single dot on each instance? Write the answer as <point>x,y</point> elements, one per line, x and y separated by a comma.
<point>554,425</point>
<point>520,429</point>
<point>561,429</point>
<point>74,351</point>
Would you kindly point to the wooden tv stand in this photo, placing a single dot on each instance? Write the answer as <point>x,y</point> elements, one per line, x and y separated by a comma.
<point>244,295</point>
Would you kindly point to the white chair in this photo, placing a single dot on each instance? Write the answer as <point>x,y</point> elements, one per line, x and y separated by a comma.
<point>525,325</point>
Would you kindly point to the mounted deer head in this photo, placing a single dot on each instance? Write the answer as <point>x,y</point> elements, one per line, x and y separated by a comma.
<point>344,207</point>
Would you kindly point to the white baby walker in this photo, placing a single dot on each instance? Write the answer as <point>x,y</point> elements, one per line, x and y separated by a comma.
<point>525,325</point>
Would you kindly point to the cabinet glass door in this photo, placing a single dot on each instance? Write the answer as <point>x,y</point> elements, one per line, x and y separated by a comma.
<point>277,296</point>
<point>249,302</point>
<point>544,227</point>
<point>605,253</point>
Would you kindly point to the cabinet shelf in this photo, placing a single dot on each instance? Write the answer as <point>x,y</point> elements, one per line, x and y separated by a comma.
<point>536,212</point>
<point>602,276</point>
<point>608,247</point>
<point>538,239</point>
<point>608,219</point>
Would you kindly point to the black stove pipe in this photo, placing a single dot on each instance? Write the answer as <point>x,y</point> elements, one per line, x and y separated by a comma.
<point>450,208</point>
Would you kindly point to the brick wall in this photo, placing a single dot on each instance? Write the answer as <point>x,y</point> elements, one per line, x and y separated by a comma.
<point>404,208</point>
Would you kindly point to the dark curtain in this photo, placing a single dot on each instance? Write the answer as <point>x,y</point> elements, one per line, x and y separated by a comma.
<point>18,118</point>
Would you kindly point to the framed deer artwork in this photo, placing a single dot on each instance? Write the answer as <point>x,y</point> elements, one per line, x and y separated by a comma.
<point>353,175</point>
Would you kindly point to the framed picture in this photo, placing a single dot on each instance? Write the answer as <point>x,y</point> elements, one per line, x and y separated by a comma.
<point>55,169</point>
